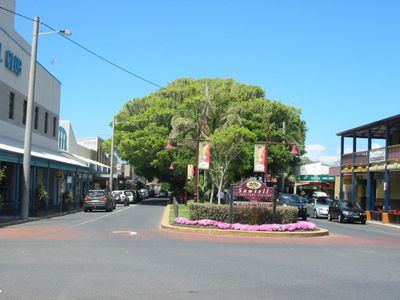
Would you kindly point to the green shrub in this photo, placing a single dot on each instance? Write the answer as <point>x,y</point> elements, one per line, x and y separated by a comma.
<point>286,214</point>
<point>247,214</point>
<point>253,215</point>
<point>209,211</point>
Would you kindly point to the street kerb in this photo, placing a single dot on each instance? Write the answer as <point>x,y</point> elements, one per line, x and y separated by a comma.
<point>215,231</point>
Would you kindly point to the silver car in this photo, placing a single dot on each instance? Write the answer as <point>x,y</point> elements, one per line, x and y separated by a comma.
<point>317,207</point>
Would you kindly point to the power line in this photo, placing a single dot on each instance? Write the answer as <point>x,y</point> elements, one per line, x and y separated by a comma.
<point>90,51</point>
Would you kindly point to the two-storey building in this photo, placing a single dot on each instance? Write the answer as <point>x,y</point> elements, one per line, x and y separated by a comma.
<point>372,176</point>
<point>57,173</point>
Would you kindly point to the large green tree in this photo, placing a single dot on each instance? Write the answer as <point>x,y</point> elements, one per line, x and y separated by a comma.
<point>231,115</point>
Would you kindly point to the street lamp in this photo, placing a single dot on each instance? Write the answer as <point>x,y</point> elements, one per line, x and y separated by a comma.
<point>110,182</point>
<point>29,116</point>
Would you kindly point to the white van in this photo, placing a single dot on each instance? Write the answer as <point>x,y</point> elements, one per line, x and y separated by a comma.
<point>319,194</point>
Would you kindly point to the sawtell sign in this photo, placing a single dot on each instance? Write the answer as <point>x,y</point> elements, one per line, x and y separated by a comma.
<point>254,190</point>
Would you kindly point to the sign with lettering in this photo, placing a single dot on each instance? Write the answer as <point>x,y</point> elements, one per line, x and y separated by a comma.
<point>316,178</point>
<point>377,155</point>
<point>11,61</point>
<point>254,190</point>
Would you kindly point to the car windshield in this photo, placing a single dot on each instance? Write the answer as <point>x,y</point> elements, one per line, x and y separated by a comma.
<point>350,204</point>
<point>324,201</point>
<point>291,198</point>
<point>96,193</point>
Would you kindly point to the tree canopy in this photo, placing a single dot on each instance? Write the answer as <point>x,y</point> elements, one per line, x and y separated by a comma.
<point>231,115</point>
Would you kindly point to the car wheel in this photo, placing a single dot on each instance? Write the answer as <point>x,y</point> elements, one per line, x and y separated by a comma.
<point>315,215</point>
<point>363,222</point>
<point>340,218</point>
<point>329,217</point>
<point>85,210</point>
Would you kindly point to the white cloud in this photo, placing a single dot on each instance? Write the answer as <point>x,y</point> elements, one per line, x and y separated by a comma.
<point>317,152</point>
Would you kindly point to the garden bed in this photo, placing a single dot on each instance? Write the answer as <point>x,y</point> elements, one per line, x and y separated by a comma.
<point>299,226</point>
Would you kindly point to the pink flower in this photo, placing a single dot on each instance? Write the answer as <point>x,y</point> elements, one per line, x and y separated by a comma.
<point>302,225</point>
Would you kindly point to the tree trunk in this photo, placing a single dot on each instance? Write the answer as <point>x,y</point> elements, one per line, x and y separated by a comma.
<point>212,193</point>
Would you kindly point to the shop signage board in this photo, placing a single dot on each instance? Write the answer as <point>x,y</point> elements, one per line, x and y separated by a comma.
<point>377,155</point>
<point>11,61</point>
<point>254,190</point>
<point>315,178</point>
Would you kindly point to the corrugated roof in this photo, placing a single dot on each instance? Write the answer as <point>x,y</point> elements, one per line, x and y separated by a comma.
<point>378,128</point>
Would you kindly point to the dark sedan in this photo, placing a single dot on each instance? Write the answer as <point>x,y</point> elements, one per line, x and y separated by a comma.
<point>294,200</point>
<point>98,199</point>
<point>345,210</point>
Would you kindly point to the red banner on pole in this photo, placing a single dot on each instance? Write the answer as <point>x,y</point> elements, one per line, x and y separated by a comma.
<point>259,158</point>
<point>204,155</point>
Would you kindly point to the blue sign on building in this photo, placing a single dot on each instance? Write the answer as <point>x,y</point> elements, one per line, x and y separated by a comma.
<point>11,61</point>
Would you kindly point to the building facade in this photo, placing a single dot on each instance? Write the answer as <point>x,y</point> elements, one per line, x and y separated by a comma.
<point>372,176</point>
<point>60,175</point>
<point>313,177</point>
<point>89,152</point>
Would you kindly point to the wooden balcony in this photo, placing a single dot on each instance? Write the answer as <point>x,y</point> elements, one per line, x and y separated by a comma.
<point>394,152</point>
<point>364,157</point>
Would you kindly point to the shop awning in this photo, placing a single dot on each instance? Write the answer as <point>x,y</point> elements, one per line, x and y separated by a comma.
<point>13,151</point>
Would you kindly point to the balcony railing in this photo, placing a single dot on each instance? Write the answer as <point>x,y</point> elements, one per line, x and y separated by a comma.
<point>361,158</point>
<point>373,156</point>
<point>394,152</point>
<point>347,159</point>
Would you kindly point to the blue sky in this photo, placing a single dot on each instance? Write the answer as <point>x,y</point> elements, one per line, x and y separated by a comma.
<point>336,60</point>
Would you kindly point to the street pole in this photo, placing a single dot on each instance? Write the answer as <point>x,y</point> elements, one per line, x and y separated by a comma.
<point>28,125</point>
<point>110,182</point>
<point>196,173</point>
<point>266,163</point>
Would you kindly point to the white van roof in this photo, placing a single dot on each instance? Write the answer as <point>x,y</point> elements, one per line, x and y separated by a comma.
<point>320,194</point>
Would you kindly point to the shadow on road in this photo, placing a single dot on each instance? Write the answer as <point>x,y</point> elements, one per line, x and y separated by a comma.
<point>155,201</point>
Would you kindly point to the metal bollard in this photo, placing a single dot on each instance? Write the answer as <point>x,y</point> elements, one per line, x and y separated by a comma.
<point>176,207</point>
<point>230,199</point>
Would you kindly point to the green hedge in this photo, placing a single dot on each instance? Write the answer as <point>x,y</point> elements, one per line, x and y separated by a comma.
<point>249,214</point>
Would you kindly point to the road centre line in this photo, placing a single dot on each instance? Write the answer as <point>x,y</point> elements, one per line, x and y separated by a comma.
<point>102,217</point>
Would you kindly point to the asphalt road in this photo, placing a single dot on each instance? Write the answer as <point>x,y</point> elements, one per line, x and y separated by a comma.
<point>125,255</point>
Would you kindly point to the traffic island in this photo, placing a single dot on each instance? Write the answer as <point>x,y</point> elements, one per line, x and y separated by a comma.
<point>165,224</point>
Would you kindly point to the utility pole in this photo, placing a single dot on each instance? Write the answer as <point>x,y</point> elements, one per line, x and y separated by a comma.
<point>28,126</point>
<point>110,182</point>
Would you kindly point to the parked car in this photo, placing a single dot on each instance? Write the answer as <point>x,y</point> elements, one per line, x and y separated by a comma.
<point>145,193</point>
<point>120,197</point>
<point>138,195</point>
<point>163,193</point>
<point>98,199</point>
<point>129,196</point>
<point>152,192</point>
<point>346,210</point>
<point>317,207</point>
<point>293,200</point>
